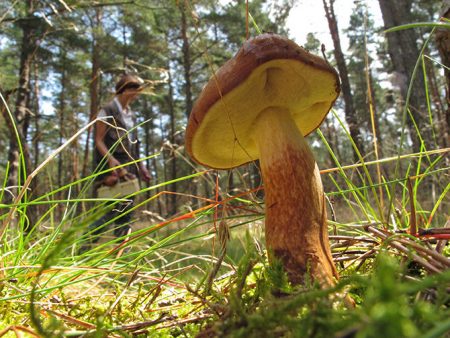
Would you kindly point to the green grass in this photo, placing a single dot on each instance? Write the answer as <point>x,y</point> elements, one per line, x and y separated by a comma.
<point>157,284</point>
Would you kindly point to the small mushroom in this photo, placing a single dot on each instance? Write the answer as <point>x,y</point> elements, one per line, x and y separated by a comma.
<point>260,105</point>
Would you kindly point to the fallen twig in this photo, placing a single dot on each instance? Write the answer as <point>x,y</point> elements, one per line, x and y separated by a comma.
<point>16,329</point>
<point>437,257</point>
<point>185,321</point>
<point>443,242</point>
<point>71,319</point>
<point>400,247</point>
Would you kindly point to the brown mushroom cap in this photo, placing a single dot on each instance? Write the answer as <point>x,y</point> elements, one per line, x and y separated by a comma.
<point>268,72</point>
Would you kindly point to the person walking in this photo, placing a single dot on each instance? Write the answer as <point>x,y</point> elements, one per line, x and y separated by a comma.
<point>117,143</point>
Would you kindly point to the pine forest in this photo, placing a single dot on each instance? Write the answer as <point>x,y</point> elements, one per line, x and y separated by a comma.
<point>225,168</point>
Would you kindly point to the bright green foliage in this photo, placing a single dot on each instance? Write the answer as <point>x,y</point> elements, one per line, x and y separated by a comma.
<point>393,307</point>
<point>389,306</point>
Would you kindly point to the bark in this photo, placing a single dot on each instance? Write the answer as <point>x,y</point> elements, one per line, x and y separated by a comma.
<point>37,130</point>
<point>404,52</point>
<point>440,128</point>
<point>62,129</point>
<point>350,112</point>
<point>75,161</point>
<point>376,117</point>
<point>29,44</point>
<point>173,159</point>
<point>332,135</point>
<point>9,124</point>
<point>230,183</point>
<point>94,88</point>
<point>443,44</point>
<point>125,47</point>
<point>187,62</point>
<point>150,141</point>
<point>148,135</point>
<point>256,180</point>
<point>165,174</point>
<point>35,142</point>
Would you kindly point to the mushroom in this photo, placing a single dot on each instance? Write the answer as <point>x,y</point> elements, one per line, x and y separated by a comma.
<point>260,105</point>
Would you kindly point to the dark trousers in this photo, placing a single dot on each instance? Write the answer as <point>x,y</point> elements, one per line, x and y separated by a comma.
<point>121,223</point>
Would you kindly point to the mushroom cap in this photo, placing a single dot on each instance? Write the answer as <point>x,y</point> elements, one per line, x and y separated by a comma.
<point>268,72</point>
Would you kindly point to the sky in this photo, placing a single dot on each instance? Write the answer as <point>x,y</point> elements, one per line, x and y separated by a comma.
<point>309,16</point>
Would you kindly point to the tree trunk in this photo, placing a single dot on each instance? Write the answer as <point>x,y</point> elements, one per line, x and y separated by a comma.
<point>37,131</point>
<point>95,82</point>
<point>186,50</point>
<point>350,113</point>
<point>152,164</point>
<point>173,159</point>
<point>148,115</point>
<point>443,44</point>
<point>164,170</point>
<point>187,62</point>
<point>125,47</point>
<point>75,161</point>
<point>404,52</point>
<point>34,103</point>
<point>440,128</point>
<point>331,136</point>
<point>62,129</point>
<point>18,171</point>
<point>28,48</point>
<point>256,180</point>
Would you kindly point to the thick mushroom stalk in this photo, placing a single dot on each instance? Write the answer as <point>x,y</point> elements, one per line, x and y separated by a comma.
<point>295,226</point>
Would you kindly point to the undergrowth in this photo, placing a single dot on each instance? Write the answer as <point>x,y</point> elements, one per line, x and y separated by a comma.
<point>155,281</point>
<point>389,304</point>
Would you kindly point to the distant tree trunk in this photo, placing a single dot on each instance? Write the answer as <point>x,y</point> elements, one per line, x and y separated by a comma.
<point>376,117</point>
<point>173,158</point>
<point>440,127</point>
<point>150,141</point>
<point>187,62</point>
<point>331,136</point>
<point>350,113</point>
<point>75,161</point>
<point>404,52</point>
<point>186,50</point>
<point>61,175</point>
<point>148,136</point>
<point>443,44</point>
<point>96,23</point>
<point>35,184</point>
<point>230,183</point>
<point>28,47</point>
<point>164,170</point>
<point>6,117</point>
<point>256,179</point>
<point>29,44</point>
<point>37,131</point>
<point>125,47</point>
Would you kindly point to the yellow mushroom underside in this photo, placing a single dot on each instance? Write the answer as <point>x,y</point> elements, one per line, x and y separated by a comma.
<point>225,137</point>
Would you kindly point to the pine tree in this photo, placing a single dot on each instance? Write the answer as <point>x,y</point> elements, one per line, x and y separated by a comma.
<point>362,75</point>
<point>350,112</point>
<point>403,50</point>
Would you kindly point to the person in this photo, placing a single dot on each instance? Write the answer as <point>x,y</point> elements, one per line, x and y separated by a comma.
<point>116,143</point>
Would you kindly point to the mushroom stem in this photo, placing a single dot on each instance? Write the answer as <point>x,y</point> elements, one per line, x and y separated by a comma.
<point>296,226</point>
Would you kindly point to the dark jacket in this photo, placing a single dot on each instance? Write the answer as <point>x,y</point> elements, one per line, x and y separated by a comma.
<point>124,147</point>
